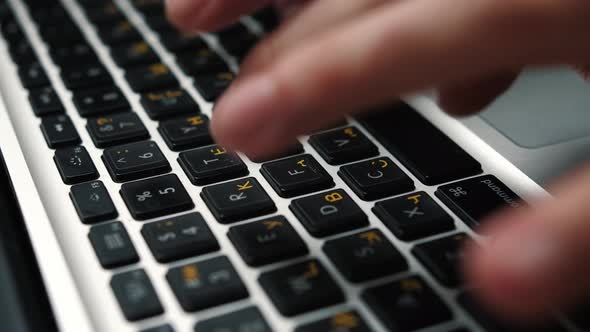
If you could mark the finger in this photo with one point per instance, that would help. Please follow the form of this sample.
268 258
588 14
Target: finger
537 260
312 19
387 52
474 95
205 15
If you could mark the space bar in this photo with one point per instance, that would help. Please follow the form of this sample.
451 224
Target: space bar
428 153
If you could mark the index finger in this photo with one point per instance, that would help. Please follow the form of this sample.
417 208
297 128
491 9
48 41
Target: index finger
209 14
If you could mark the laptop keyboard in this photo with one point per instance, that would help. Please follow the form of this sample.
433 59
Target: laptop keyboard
234 194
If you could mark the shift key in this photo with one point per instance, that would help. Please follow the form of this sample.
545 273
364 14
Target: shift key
474 199
425 150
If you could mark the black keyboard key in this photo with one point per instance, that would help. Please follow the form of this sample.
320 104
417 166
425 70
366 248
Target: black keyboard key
94 102
159 328
349 321
160 24
22 53
153 77
186 132
343 145
149 7
33 76
75 165
376 179
267 241
206 284
178 42
413 216
168 103
211 164
112 245
45 102
61 34
133 54
268 17
135 161
156 197
301 287
179 237
237 39
136 295
244 320
296 176
365 256
77 53
329 213
105 13
59 131
490 322
212 86
85 76
238 200
473 199
579 315
443 258
428 153
118 32
116 129
93 202
201 62
406 305
11 30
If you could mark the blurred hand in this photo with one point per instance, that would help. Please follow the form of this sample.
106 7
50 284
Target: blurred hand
336 57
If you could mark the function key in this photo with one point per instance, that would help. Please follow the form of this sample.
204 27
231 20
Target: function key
186 132
179 237
45 102
112 245
211 164
407 305
413 216
152 77
267 241
103 100
443 258
329 213
118 32
349 321
238 200
136 295
365 256
202 61
168 103
85 76
212 86
206 284
156 197
33 76
296 176
178 42
426 151
135 161
75 165
375 179
473 199
343 145
133 54
243 320
301 287
93 202
116 129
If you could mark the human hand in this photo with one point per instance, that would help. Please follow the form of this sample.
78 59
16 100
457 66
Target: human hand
338 57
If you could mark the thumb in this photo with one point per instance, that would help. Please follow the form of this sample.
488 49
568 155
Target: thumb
537 259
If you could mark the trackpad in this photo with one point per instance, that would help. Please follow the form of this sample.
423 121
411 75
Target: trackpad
544 107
